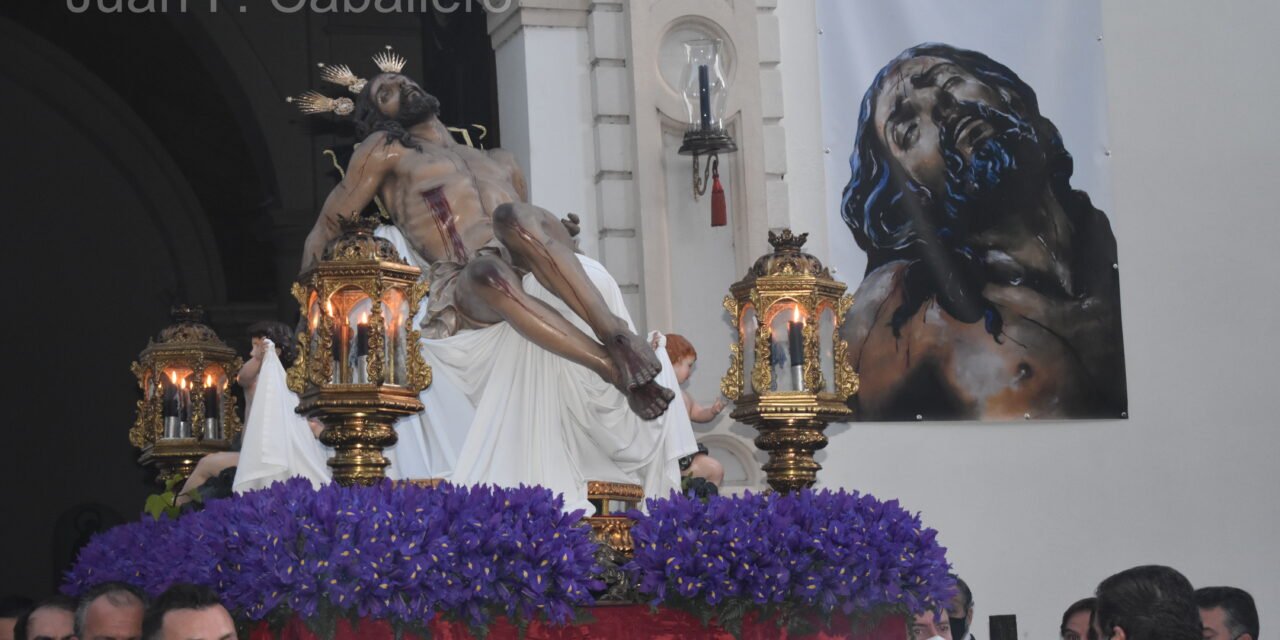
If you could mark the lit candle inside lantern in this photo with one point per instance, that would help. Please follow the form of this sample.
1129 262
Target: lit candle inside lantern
795 335
362 336
171 406
184 409
212 410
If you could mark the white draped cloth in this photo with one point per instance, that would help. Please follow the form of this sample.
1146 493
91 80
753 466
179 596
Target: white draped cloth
502 410
278 443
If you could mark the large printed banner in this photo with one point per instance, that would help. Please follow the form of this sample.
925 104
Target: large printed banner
968 190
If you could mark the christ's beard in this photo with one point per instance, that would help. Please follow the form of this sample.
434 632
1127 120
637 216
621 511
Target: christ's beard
1003 174
417 107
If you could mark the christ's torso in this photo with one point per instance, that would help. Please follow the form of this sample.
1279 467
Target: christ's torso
443 198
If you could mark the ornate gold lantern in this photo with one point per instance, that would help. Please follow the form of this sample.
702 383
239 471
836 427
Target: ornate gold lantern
787 375
186 410
610 525
359 366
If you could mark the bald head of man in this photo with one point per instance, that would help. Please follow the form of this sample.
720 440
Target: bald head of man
111 611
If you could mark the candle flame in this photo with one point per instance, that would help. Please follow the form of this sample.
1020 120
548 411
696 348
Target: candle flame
173 377
208 380
183 384
364 318
795 315
329 307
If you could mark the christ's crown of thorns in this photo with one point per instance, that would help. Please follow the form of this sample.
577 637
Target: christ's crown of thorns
340 74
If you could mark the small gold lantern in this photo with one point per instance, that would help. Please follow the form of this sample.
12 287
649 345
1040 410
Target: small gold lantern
787 375
186 410
359 366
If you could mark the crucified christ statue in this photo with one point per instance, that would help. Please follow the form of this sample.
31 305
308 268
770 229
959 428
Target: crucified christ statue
465 212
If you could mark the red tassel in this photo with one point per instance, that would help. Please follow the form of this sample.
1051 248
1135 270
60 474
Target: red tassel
719 211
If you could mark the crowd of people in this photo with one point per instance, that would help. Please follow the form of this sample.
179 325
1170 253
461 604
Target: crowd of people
1149 602
1143 603
118 611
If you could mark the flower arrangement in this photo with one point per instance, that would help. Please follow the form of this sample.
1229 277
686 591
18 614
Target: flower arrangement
405 554
399 553
794 557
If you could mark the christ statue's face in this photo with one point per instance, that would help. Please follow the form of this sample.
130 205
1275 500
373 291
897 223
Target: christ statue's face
918 100
400 98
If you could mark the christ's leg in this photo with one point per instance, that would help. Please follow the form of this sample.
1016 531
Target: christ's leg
538 242
489 291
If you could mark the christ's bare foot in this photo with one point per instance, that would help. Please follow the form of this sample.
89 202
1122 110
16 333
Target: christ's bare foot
633 361
650 400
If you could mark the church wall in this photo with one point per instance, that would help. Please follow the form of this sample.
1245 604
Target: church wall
1036 514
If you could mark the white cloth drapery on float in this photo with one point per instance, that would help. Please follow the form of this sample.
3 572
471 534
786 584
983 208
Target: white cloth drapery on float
278 443
502 410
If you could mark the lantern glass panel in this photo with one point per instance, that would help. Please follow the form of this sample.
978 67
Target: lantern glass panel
826 346
396 316
786 355
747 328
704 85
344 310
315 318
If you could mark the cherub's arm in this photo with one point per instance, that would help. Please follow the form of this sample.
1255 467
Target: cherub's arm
372 161
248 376
699 413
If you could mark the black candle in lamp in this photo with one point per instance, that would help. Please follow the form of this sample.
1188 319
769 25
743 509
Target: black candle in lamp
171 406
362 336
704 96
795 335
212 411
184 409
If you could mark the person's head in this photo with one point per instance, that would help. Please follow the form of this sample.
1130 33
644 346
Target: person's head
1150 602
949 143
12 608
280 335
188 612
52 619
1077 621
928 626
1227 613
393 103
110 611
960 609
682 356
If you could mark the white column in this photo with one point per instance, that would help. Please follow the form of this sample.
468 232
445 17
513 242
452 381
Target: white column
544 104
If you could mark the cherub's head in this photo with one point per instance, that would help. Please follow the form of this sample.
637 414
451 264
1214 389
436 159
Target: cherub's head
682 356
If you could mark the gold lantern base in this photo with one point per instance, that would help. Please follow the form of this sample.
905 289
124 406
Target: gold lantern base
790 426
611 526
359 423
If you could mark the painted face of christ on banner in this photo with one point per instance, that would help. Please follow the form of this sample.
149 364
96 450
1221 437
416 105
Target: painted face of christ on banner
960 195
